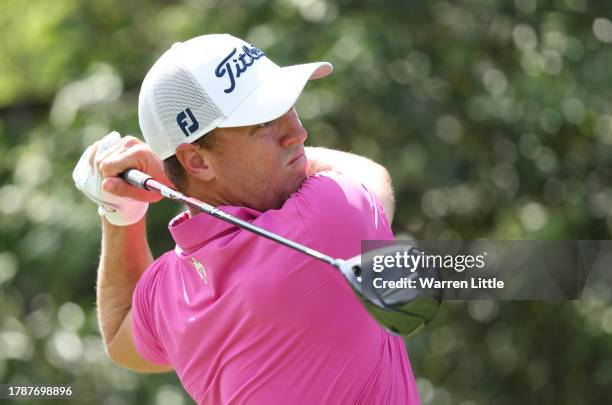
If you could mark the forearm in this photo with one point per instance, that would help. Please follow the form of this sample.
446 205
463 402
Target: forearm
373 175
125 255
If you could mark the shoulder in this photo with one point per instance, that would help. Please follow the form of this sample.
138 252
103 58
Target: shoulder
337 210
330 179
331 187
152 276
157 267
333 194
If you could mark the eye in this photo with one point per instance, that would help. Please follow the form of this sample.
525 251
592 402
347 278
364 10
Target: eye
264 125
257 127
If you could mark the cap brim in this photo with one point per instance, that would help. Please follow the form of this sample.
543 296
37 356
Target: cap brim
275 95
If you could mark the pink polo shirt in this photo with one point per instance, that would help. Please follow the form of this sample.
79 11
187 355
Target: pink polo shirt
243 320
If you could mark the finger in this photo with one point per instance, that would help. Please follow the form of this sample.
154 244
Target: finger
103 155
130 140
104 148
110 140
118 162
134 157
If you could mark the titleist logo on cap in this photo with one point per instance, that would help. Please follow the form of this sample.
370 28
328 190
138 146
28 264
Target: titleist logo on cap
241 63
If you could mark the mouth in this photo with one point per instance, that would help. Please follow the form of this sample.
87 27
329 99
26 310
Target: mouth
297 158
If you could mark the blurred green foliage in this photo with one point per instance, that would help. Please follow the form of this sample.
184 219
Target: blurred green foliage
494 118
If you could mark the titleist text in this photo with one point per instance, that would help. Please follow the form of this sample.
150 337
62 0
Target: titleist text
241 63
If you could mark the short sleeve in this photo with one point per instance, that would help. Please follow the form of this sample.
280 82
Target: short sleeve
144 332
339 212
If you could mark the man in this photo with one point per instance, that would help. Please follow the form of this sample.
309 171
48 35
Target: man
239 318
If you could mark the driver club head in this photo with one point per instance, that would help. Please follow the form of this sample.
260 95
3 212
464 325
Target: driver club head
402 311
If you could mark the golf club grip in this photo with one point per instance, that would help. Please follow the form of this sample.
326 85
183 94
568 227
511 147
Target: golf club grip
136 178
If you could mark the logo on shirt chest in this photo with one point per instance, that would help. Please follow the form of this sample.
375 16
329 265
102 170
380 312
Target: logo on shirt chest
199 268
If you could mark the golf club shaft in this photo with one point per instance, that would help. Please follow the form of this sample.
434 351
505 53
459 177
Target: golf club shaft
146 182
400 318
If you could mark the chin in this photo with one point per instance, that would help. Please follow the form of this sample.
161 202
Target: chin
303 176
284 195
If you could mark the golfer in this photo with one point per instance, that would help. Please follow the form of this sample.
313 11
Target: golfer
239 318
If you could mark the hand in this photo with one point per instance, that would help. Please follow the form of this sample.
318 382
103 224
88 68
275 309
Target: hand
130 153
95 175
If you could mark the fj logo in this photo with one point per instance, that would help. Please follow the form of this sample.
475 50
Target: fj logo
187 127
199 268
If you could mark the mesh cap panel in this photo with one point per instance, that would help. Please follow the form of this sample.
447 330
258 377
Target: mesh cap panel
173 92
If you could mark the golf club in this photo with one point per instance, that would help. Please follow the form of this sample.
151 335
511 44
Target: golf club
400 310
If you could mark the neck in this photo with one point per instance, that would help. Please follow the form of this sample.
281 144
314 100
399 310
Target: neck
210 201
210 197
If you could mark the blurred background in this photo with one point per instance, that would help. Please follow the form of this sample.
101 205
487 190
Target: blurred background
494 118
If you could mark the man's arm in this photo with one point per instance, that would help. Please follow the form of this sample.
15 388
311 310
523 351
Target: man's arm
374 176
125 256
125 251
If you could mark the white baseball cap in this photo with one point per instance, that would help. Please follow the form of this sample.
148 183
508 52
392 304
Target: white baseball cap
215 81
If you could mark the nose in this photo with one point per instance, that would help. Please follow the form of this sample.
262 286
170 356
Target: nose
292 131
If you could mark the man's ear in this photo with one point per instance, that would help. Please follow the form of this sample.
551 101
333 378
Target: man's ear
195 161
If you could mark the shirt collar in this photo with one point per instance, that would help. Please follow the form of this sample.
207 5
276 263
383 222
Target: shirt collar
190 233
